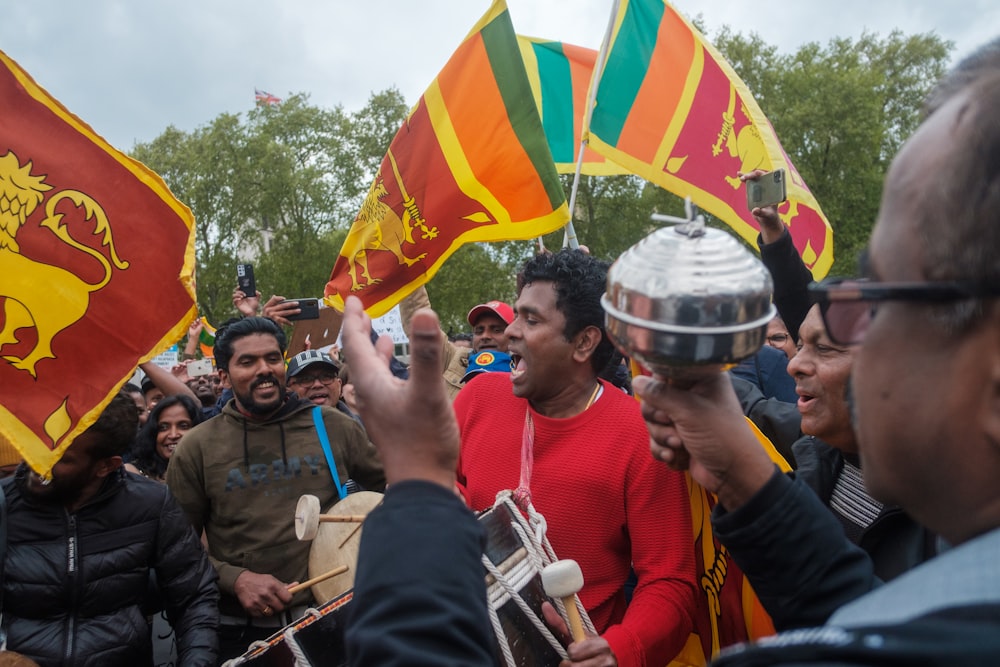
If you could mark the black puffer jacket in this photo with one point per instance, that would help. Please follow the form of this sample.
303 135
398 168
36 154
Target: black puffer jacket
75 583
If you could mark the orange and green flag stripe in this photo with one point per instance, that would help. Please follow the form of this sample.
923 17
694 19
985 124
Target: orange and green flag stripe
470 163
206 339
560 76
672 110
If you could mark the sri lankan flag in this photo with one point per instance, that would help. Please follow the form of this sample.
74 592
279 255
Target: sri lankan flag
85 231
560 76
672 110
727 610
470 163
206 339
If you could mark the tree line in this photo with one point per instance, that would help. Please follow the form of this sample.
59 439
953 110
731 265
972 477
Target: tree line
281 184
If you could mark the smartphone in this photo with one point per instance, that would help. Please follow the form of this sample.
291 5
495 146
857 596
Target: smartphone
244 279
768 190
309 308
199 368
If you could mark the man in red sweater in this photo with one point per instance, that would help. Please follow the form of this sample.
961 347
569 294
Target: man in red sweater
578 448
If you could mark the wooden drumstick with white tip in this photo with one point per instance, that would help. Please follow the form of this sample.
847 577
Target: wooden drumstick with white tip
308 518
563 579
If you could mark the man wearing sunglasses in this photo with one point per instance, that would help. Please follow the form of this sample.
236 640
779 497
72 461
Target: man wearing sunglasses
925 331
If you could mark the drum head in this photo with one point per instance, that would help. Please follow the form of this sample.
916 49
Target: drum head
337 544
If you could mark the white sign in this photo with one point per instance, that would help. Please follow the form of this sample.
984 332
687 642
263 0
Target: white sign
391 323
166 359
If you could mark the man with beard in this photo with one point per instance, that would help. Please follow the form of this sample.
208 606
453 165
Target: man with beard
239 476
81 546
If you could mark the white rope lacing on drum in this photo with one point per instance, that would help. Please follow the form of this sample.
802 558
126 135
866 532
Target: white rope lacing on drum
536 520
300 658
506 585
289 635
508 657
235 662
512 594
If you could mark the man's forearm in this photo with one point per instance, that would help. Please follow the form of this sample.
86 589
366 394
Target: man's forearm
795 553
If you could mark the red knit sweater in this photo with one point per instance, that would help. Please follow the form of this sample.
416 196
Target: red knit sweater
607 503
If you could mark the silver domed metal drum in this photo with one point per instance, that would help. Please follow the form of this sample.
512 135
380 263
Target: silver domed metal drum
688 299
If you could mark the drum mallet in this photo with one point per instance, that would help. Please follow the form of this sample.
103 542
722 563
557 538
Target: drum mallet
315 580
308 518
563 579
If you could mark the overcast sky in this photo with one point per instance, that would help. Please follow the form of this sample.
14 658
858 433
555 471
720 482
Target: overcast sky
131 68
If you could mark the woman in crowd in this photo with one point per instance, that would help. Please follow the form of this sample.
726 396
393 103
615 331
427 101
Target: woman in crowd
172 417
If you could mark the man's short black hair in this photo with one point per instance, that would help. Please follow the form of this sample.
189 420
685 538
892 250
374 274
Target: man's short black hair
248 326
579 280
115 427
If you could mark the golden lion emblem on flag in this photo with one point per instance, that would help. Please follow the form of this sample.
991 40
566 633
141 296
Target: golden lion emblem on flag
46 297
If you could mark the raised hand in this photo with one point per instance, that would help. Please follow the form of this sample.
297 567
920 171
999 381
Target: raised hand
410 421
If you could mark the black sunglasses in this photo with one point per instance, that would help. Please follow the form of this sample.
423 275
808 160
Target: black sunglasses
848 305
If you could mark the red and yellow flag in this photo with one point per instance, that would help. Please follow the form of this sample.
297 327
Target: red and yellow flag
727 609
560 76
671 109
97 259
470 163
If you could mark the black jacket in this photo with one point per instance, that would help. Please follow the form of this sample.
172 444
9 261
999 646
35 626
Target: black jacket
791 280
419 597
778 420
794 552
75 584
895 542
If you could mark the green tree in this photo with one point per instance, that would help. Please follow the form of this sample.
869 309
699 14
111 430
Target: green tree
476 273
279 187
609 214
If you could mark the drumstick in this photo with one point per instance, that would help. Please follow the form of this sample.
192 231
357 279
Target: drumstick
563 579
315 580
308 518
350 518
349 536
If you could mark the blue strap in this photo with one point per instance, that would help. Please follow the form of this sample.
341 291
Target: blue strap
324 440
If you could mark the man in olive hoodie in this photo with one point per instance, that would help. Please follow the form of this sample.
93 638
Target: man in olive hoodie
239 476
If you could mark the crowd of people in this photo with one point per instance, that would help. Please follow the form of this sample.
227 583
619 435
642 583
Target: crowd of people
874 550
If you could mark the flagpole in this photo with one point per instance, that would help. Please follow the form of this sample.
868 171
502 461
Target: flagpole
571 239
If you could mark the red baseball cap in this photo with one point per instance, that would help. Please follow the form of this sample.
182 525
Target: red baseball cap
499 308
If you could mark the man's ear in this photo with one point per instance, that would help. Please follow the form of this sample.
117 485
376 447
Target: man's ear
107 466
224 378
585 342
